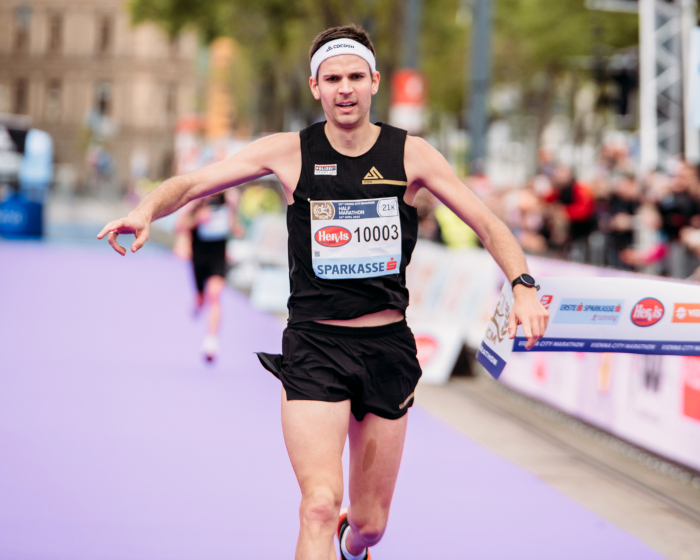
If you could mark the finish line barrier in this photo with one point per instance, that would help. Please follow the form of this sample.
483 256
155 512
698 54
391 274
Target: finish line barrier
630 315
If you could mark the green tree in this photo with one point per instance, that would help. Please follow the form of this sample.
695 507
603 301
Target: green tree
535 43
539 42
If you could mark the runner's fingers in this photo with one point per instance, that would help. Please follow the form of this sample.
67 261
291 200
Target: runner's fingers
141 239
112 239
527 330
109 227
512 326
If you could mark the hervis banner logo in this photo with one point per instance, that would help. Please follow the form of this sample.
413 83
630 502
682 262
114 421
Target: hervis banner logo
647 312
373 177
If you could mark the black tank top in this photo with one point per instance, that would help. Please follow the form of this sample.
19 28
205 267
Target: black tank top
361 226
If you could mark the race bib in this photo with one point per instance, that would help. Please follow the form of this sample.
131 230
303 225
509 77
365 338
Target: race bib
355 238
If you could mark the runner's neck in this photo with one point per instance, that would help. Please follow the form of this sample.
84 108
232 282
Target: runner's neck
352 142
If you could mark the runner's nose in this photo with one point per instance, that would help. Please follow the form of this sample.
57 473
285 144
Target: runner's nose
345 86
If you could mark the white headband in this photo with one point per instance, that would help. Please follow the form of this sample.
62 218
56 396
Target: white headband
338 47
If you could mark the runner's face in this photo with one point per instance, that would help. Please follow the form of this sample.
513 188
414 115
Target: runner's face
345 87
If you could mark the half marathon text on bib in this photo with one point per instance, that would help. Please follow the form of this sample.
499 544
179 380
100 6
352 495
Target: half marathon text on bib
355 238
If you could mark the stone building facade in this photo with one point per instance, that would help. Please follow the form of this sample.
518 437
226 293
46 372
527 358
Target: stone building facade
108 92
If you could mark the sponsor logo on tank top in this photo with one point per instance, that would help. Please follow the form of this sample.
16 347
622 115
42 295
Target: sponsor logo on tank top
373 177
323 210
326 169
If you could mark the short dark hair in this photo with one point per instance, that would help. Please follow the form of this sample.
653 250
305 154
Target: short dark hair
352 31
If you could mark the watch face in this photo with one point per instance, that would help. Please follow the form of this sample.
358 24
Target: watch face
529 280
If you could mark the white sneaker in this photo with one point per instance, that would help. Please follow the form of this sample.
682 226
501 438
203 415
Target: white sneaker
210 347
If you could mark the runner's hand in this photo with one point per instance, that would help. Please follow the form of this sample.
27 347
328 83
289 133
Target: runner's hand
131 224
528 312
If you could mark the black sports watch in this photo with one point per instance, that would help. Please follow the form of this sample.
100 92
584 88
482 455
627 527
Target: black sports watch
525 280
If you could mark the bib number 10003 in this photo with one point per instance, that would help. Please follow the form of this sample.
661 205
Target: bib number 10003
355 238
385 233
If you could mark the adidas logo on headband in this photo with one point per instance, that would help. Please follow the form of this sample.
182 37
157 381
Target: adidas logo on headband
331 47
338 47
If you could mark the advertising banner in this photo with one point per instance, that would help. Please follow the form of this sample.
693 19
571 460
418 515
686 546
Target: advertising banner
635 316
407 108
438 346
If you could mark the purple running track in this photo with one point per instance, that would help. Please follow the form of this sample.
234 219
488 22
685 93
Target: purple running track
118 442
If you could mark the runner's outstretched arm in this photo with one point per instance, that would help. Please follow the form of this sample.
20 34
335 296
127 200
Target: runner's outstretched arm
272 154
425 167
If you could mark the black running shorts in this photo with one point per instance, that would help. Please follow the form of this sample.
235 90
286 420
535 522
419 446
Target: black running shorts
374 367
208 259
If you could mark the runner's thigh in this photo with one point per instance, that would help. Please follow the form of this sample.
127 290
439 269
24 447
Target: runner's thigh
315 434
376 446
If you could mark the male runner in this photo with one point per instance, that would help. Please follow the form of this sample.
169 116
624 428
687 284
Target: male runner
349 364
208 221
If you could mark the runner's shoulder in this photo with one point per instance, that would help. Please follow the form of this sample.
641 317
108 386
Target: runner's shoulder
274 150
287 141
417 147
420 158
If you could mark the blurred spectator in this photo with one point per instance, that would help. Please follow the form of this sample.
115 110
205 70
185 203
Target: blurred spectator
622 207
650 224
545 162
574 205
526 220
680 208
650 246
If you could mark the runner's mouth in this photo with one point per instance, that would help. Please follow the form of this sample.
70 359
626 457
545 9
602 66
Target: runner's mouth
346 104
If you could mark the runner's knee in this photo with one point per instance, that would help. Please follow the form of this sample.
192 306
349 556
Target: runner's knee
213 289
320 506
370 527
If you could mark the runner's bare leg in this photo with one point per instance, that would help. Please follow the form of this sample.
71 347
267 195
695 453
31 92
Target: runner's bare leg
213 292
315 434
376 446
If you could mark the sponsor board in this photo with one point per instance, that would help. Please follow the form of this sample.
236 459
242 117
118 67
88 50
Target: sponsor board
660 347
496 346
691 387
586 311
438 344
598 302
427 347
647 312
686 313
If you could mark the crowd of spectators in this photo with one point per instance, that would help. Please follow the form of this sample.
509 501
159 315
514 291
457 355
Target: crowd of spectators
616 219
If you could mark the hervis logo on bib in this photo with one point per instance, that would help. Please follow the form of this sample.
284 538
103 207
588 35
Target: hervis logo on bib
333 236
